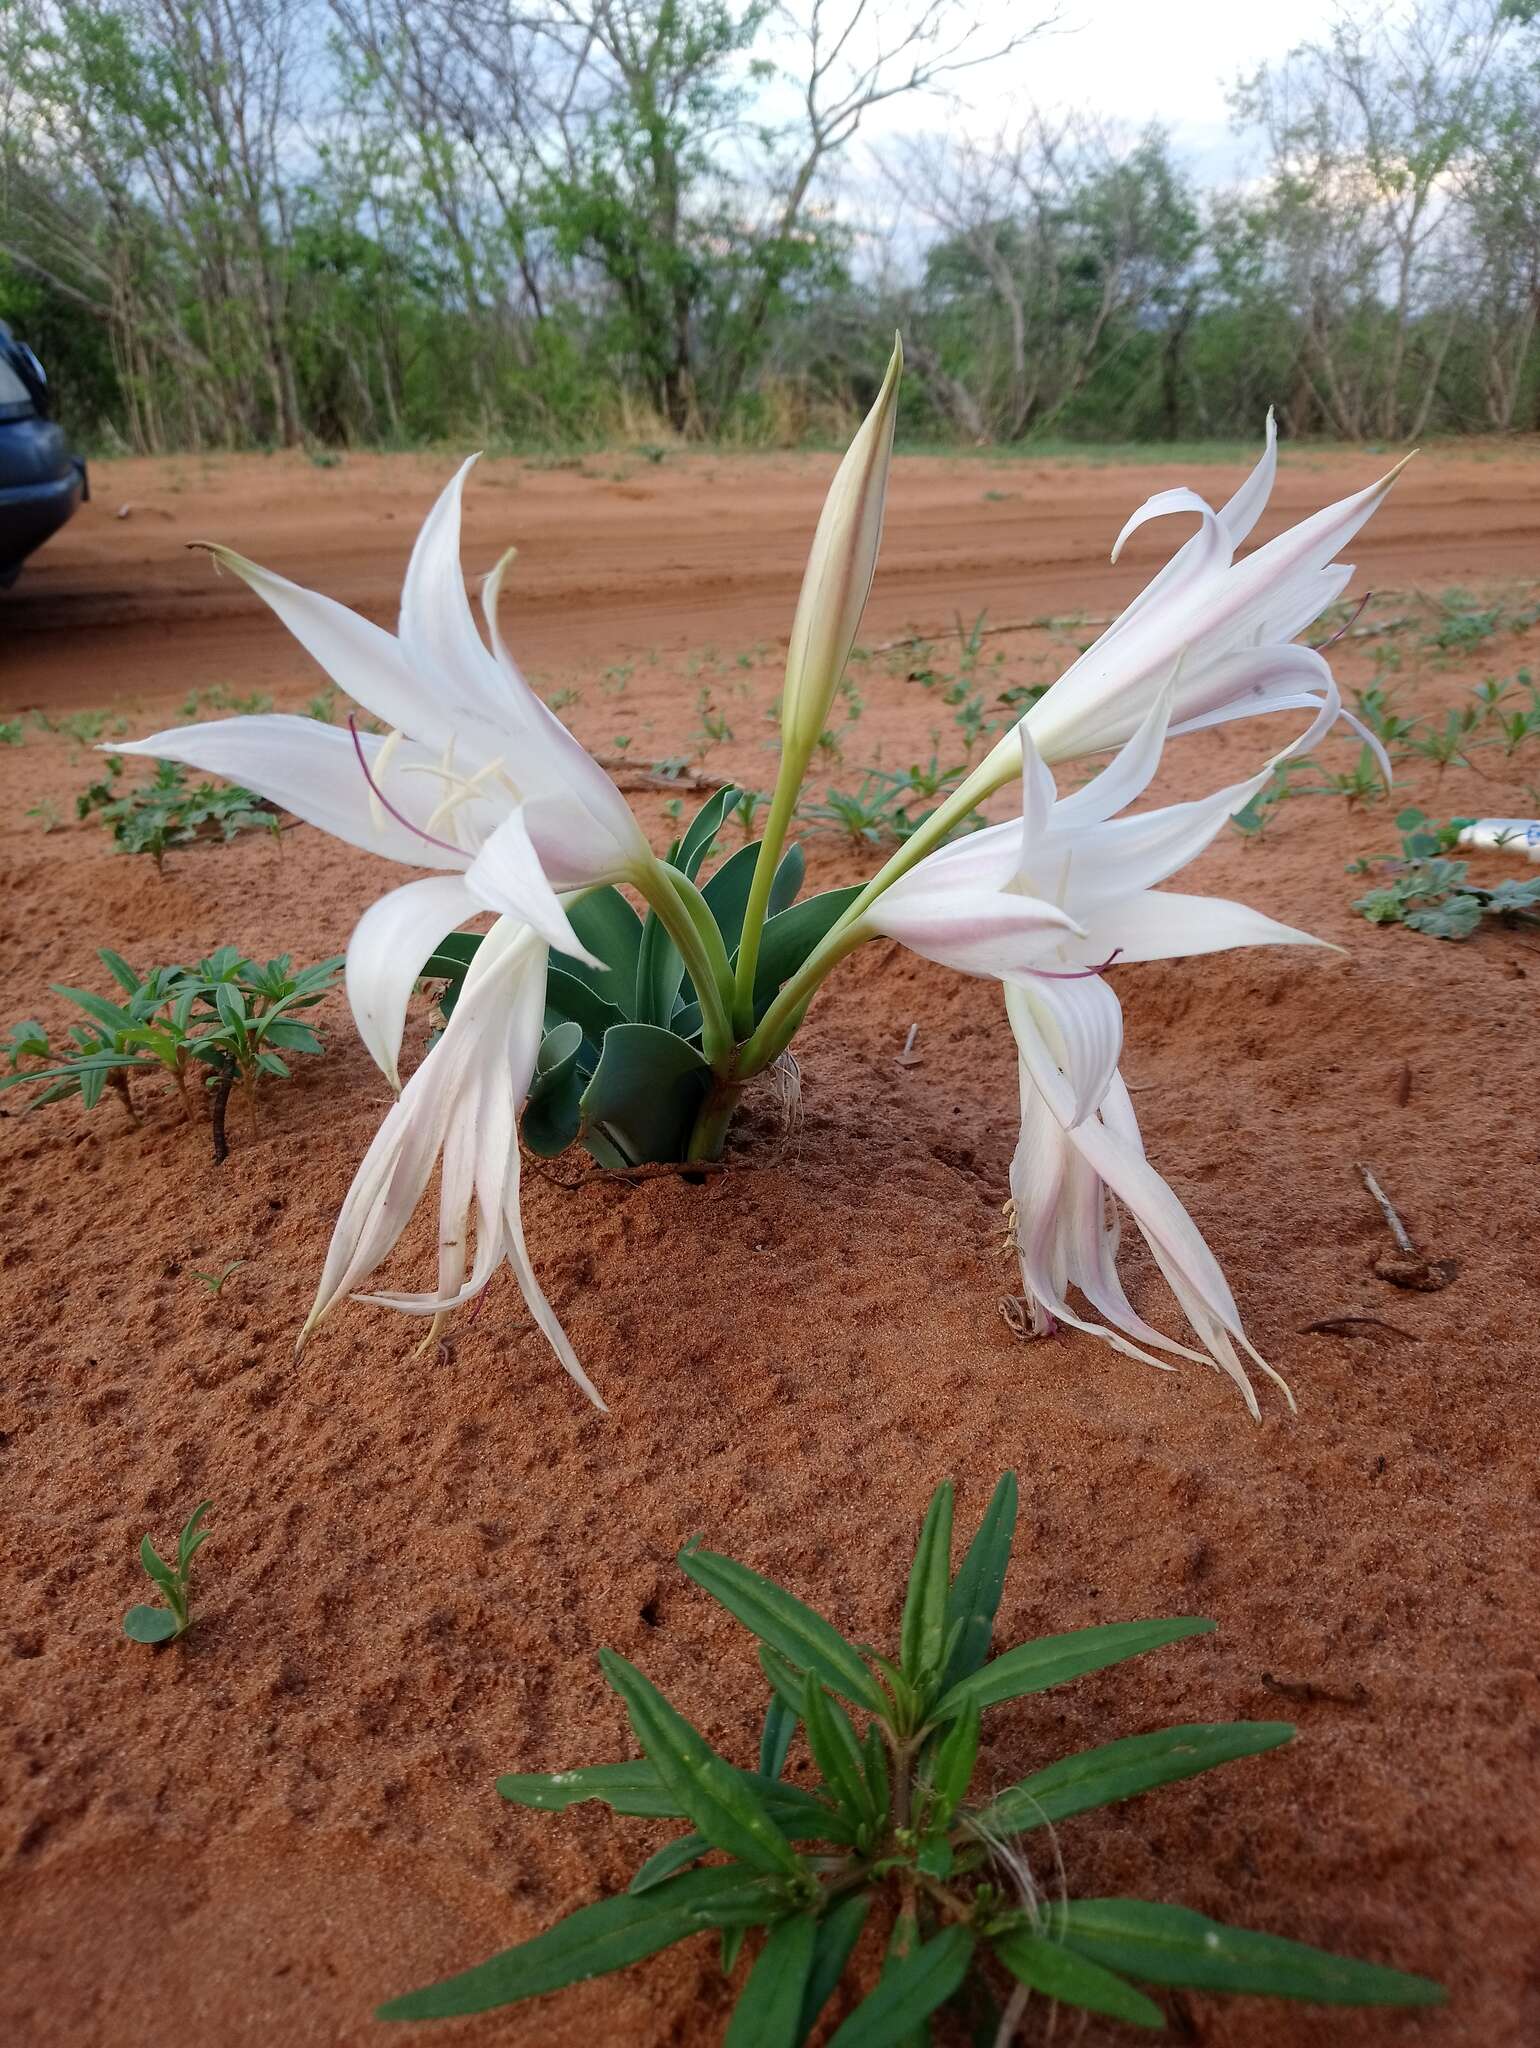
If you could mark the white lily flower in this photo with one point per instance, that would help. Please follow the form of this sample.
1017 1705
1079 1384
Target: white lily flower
477 777
1216 631
1046 905
462 1107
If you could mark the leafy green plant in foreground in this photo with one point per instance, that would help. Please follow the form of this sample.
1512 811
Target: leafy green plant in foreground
165 1624
887 1814
1432 894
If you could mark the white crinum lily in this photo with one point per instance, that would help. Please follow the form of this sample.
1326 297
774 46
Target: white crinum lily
1216 631
460 1112
1045 906
476 777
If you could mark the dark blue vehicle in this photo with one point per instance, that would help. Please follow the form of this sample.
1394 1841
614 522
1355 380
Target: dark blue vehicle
41 480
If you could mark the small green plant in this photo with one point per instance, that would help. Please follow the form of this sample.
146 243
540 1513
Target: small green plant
165 1624
164 812
11 730
227 1015
1376 710
322 706
887 1816
1447 745
46 812
559 700
85 728
215 1282
1430 893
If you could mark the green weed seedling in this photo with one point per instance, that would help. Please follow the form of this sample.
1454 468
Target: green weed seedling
165 1624
46 812
215 1282
11 730
228 1017
882 1813
1447 745
1430 893
164 812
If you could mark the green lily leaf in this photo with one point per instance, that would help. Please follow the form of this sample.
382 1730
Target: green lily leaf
569 1000
612 932
1122 1770
925 1618
788 938
1033 1667
910 1988
727 893
553 1114
720 1800
702 830
646 1092
975 1596
952 1767
780 1619
589 1943
1172 1945
1059 1973
769 2009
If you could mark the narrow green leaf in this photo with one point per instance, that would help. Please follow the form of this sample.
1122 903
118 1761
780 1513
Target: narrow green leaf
952 1766
192 1535
1061 1974
727 894
646 1092
1033 1667
150 1625
732 1942
1172 1945
659 974
924 1624
673 1856
451 957
606 1936
788 938
719 1799
775 1740
161 1572
875 1758
112 1015
1122 1770
838 1932
119 969
702 829
910 1988
633 1788
783 1621
975 1596
769 2007
790 872
836 1751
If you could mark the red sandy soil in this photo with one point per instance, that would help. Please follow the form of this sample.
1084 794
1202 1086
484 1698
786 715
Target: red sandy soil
256 1835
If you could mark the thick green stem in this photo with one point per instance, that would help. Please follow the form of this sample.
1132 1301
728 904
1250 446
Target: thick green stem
710 1132
783 805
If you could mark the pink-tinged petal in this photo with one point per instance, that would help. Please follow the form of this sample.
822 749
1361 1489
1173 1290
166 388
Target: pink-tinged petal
386 954
1070 1036
506 876
977 932
1159 924
313 770
1037 796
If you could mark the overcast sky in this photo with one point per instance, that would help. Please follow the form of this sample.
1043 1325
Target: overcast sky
1135 61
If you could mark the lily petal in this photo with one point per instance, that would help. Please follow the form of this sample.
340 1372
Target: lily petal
386 953
506 876
312 769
